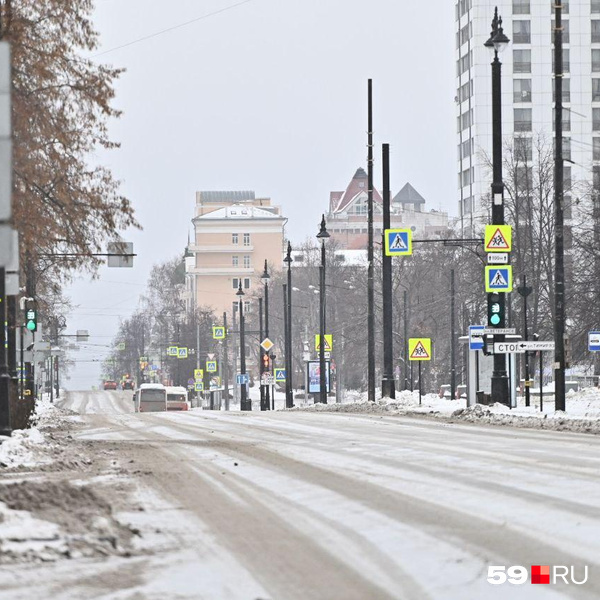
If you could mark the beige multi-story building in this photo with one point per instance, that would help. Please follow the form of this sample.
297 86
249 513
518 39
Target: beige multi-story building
234 233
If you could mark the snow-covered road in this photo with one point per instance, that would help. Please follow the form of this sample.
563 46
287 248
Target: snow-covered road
291 505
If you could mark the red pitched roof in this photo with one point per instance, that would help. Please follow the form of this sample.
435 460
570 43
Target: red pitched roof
357 185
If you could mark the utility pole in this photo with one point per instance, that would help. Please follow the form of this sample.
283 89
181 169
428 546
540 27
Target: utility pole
370 267
5 427
198 353
226 362
524 291
261 354
559 265
244 403
285 343
405 341
388 384
452 337
289 367
236 387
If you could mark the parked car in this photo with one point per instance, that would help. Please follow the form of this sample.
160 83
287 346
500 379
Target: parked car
128 384
110 385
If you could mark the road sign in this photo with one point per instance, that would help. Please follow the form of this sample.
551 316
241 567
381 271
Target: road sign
199 386
218 333
211 366
498 279
266 344
215 383
172 351
267 379
498 238
499 331
182 352
210 356
419 349
521 347
279 375
497 258
594 341
191 381
198 373
243 379
476 337
328 342
121 346
398 242
122 254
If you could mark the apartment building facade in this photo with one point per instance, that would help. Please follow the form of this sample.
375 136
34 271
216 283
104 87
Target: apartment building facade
527 93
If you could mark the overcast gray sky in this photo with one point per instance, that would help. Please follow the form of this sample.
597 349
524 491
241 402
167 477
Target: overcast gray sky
269 95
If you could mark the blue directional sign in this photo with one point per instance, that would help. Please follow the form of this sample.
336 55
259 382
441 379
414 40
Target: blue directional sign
243 379
498 278
398 242
279 375
476 337
594 341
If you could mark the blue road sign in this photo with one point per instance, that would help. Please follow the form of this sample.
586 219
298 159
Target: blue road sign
279 375
398 242
498 278
243 379
476 337
594 341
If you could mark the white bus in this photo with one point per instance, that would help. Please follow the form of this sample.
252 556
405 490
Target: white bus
177 398
150 397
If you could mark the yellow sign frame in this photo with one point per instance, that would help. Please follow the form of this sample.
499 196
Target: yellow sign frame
209 366
328 342
389 251
490 235
414 343
509 285
218 332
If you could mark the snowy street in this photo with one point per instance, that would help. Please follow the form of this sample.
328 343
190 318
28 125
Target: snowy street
311 505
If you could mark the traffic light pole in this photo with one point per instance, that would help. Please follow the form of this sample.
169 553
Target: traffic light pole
5 427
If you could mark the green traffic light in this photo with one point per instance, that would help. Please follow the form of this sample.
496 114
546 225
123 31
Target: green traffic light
495 319
31 325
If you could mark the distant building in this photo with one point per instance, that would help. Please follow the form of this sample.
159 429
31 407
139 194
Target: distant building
347 216
234 233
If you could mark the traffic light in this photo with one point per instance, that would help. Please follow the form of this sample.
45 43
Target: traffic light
31 316
495 310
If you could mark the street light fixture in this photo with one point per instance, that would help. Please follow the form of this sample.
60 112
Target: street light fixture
289 394
322 236
265 278
496 44
244 403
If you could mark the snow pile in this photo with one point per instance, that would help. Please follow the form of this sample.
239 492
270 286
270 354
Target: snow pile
22 449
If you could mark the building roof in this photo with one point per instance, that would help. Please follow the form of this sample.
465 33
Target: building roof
408 195
240 211
221 197
357 186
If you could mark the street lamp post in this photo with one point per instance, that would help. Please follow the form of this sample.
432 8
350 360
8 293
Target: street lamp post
289 390
244 403
497 43
323 236
265 277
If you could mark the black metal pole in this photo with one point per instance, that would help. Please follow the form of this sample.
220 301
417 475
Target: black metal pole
322 376
226 362
285 336
261 354
244 404
405 342
289 371
559 266
499 375
370 259
5 423
420 386
267 387
541 381
388 385
524 291
452 337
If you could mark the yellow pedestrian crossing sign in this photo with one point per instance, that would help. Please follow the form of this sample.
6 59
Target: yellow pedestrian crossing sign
398 242
172 351
328 342
218 333
211 366
498 238
419 349
498 278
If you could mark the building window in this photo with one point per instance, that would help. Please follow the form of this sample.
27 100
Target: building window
467 177
595 6
235 261
464 35
522 61
566 92
465 149
234 307
465 120
522 90
566 120
234 239
246 239
246 262
464 64
566 61
523 149
596 152
246 283
247 307
596 119
465 91
521 7
523 119
566 148
595 31
595 90
565 35
521 32
596 177
595 60
567 179
467 206
463 6
235 283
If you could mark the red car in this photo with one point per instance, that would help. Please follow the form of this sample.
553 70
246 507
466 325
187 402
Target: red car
110 385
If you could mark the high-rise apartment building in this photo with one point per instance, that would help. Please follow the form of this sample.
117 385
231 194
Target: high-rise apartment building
527 93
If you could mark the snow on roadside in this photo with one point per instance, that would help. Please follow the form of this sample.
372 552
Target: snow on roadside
582 414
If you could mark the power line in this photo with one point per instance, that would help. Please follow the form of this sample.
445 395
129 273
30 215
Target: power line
163 31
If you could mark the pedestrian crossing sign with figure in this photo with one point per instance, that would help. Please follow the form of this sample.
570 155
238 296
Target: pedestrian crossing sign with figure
498 238
218 333
211 366
398 242
419 349
498 278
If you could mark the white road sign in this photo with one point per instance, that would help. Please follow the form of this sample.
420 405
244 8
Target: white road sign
497 259
499 331
521 347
